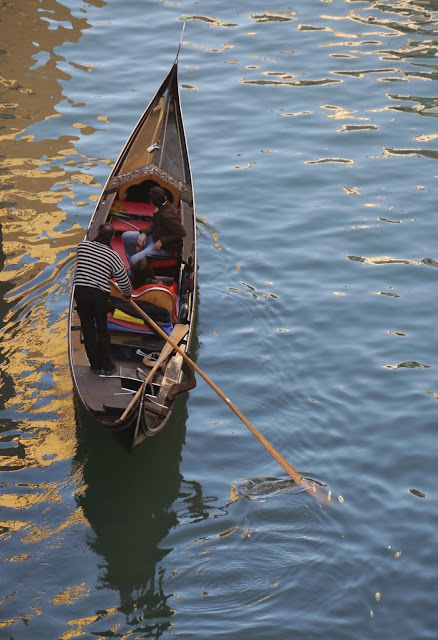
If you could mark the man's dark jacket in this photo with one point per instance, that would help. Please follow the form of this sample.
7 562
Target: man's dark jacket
167 228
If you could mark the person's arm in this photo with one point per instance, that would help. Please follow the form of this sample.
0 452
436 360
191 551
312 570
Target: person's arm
147 230
142 238
121 276
174 231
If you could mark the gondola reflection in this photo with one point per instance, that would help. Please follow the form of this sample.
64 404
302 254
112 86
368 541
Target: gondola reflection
128 499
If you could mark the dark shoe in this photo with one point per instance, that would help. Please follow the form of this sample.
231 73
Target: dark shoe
109 372
95 370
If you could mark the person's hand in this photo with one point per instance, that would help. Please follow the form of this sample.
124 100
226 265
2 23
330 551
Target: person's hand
141 241
158 245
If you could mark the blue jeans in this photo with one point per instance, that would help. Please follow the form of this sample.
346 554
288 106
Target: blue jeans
130 244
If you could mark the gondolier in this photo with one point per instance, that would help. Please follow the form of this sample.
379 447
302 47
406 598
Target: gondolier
97 264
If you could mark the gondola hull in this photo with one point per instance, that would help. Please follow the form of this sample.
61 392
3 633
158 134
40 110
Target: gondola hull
155 154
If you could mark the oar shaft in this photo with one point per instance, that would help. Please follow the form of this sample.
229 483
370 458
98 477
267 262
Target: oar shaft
293 473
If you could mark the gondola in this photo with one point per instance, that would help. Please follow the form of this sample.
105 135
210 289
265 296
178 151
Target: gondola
137 401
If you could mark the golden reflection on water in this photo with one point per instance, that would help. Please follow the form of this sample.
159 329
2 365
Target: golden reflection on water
223 47
71 594
38 175
78 625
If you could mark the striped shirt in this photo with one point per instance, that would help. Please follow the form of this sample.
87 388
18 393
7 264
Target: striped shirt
97 264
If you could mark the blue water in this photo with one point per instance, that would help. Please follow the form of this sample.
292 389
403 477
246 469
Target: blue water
313 142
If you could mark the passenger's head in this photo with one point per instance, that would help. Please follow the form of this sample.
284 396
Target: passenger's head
105 232
157 196
141 273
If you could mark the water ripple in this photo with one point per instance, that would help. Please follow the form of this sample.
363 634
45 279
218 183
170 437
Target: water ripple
285 323
381 260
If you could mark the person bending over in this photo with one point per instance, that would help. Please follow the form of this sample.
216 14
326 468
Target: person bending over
97 264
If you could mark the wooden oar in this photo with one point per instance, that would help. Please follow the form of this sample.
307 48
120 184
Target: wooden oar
293 473
178 333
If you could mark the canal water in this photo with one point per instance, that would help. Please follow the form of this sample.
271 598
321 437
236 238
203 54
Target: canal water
314 143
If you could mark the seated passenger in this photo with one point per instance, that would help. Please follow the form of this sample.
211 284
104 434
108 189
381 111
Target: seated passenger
142 274
161 238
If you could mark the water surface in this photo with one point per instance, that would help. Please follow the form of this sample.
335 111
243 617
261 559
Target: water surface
313 142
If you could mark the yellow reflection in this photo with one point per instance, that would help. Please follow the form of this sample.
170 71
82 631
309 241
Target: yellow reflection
71 594
352 191
40 174
274 16
384 260
278 74
248 166
9 527
297 113
15 501
20 558
330 160
85 129
234 493
7 623
80 623
223 47
259 601
340 113
426 138
38 534
212 22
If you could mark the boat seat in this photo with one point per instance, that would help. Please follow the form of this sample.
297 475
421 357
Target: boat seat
159 294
